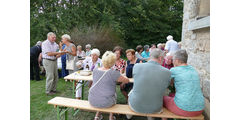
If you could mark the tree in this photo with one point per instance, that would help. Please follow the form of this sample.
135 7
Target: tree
134 21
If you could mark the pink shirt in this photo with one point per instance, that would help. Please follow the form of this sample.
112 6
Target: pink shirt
48 46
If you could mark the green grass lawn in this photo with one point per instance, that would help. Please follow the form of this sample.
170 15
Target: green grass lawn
40 110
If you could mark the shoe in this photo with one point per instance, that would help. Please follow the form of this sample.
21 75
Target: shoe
51 93
54 91
129 117
98 118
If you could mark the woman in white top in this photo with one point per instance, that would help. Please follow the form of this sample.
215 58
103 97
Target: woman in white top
80 52
89 63
88 50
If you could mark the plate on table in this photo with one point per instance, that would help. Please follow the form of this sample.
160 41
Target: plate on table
85 72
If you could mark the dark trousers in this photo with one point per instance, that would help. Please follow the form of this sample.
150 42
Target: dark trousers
64 71
34 69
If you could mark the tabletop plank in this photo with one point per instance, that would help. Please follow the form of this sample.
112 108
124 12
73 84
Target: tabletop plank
77 77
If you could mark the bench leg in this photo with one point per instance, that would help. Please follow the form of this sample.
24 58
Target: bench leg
66 115
58 113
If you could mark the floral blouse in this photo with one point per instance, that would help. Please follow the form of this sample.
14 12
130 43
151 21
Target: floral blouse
120 66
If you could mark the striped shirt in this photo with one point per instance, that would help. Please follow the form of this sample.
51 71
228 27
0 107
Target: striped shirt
48 46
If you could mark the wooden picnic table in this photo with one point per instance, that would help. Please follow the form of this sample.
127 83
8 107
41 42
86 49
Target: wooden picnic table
76 77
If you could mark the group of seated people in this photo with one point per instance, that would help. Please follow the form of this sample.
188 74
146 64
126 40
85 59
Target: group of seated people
152 76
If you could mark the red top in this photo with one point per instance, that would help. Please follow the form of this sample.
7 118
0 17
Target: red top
167 66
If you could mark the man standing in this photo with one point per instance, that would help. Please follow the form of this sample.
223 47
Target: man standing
150 83
50 54
34 64
171 45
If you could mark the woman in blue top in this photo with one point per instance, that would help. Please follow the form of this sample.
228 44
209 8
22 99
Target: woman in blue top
132 60
188 100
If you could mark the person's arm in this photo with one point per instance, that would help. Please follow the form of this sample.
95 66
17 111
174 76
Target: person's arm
60 46
83 54
171 82
46 50
126 69
39 58
123 79
166 47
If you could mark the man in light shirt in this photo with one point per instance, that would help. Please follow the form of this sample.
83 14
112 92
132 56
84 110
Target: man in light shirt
150 83
50 54
171 45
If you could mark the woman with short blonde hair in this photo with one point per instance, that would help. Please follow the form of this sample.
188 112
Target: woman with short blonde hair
102 94
108 59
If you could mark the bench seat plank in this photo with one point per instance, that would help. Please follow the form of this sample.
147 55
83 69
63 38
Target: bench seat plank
118 108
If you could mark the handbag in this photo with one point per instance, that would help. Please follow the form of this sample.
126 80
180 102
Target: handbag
70 64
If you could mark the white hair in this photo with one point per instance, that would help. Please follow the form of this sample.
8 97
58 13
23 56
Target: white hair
169 37
159 44
66 36
88 46
50 34
95 51
79 46
39 43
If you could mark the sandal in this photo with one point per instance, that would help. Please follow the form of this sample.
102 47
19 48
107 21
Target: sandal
114 118
98 118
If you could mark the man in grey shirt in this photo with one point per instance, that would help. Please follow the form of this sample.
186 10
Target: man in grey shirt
150 82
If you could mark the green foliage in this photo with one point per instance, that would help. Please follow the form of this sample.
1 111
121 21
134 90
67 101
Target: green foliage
103 38
134 21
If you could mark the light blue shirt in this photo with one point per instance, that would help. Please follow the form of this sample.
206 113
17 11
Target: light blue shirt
88 53
189 96
145 54
150 83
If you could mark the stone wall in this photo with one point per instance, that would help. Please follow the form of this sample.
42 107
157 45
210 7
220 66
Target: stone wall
197 43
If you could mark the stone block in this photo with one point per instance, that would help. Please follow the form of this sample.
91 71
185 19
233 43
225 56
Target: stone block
206 112
206 89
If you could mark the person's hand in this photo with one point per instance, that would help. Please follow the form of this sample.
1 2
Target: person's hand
65 51
62 53
57 56
60 44
122 85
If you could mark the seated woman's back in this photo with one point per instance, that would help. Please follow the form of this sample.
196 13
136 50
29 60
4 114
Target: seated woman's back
188 96
102 94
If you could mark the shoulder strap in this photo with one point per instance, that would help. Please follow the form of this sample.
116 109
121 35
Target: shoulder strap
98 80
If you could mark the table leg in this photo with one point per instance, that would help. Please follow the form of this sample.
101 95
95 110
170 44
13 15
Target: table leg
83 84
66 115
73 89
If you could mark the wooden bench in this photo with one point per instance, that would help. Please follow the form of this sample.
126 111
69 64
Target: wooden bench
118 108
